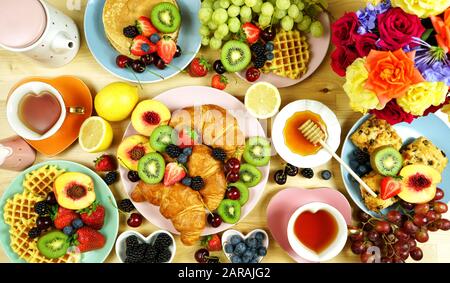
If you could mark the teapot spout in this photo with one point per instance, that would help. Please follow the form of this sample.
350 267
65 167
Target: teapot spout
62 43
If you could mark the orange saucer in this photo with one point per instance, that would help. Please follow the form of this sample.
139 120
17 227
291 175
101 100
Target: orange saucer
75 93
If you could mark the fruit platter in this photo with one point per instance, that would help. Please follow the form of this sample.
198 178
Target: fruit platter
213 131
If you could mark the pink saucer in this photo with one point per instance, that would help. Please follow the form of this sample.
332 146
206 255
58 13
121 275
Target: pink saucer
284 203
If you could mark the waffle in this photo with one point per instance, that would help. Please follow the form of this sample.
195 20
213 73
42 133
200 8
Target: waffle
40 181
291 55
20 208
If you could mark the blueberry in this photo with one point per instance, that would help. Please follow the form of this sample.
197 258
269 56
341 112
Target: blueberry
246 259
228 248
259 244
253 251
270 56
240 248
187 151
262 251
362 170
269 46
68 230
354 164
154 38
77 223
254 261
251 242
235 239
326 175
236 259
260 236
183 158
187 181
248 253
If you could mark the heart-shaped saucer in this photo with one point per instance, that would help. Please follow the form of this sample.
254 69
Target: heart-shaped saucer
121 245
229 233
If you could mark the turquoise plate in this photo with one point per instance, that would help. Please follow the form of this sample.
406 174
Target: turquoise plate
188 39
431 127
104 196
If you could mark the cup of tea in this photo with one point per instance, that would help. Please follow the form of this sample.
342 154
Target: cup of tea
36 110
317 232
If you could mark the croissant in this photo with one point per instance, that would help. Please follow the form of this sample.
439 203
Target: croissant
182 205
215 125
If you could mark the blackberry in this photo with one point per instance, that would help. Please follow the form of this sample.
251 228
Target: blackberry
42 208
126 205
163 241
280 177
219 154
131 31
173 151
258 48
163 256
131 242
307 173
259 62
150 255
34 233
110 178
197 183
136 253
291 170
361 157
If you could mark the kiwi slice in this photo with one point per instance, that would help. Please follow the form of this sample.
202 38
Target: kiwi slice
229 210
249 175
161 137
151 168
243 190
235 56
257 151
53 244
165 17
386 161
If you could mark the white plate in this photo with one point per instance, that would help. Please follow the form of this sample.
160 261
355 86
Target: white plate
182 97
333 129
226 236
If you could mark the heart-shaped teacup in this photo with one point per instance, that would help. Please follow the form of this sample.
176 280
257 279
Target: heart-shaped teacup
121 245
226 237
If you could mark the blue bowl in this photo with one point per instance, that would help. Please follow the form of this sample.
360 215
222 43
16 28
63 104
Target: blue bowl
189 40
431 127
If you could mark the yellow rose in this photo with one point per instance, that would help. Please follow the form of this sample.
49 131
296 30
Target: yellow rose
446 110
422 8
361 99
373 2
421 96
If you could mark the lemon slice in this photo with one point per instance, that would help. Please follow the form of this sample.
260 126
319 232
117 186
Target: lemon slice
263 100
95 135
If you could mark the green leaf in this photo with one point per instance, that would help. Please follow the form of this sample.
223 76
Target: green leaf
426 34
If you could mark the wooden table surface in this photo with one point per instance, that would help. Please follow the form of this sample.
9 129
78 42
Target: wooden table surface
323 86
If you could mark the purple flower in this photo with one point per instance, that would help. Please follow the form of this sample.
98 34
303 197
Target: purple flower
436 72
368 17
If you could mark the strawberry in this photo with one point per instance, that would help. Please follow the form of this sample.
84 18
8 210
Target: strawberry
187 138
105 163
64 217
213 243
166 49
251 32
219 82
199 67
89 239
93 216
142 46
173 174
145 27
390 187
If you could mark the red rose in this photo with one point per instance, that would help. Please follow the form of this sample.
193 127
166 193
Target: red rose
365 43
341 58
344 30
434 109
397 29
393 114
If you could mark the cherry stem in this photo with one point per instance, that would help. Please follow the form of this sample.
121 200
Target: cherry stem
175 67
139 82
155 74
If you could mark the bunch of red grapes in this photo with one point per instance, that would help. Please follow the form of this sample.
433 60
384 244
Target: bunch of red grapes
397 235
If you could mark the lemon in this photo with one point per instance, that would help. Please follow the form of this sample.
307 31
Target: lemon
96 135
116 101
263 100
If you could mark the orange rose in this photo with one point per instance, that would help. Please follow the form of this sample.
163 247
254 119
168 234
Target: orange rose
442 27
391 74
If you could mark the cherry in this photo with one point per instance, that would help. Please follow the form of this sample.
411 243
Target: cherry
135 220
233 193
268 34
43 223
439 194
159 63
133 176
122 61
218 67
51 198
138 66
252 74
178 52
201 256
148 59
232 177
232 165
214 220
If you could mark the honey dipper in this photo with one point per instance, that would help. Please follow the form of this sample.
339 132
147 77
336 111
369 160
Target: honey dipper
315 135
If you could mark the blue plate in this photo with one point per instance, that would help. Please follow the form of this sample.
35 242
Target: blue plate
188 39
103 194
431 127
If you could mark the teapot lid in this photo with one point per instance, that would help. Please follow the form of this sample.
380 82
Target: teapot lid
22 22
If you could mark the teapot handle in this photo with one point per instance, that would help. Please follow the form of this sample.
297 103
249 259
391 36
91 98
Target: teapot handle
62 43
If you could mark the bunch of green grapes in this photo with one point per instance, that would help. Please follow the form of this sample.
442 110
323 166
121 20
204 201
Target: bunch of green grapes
221 19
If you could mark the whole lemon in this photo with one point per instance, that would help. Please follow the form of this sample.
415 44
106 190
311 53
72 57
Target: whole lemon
116 101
